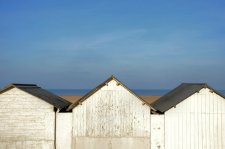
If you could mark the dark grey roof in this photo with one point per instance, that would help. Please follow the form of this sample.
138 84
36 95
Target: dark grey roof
43 94
99 87
179 94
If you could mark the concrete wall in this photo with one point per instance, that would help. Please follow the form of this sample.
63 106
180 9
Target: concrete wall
157 131
111 143
197 123
112 118
64 130
25 121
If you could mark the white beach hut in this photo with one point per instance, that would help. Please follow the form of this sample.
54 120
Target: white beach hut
191 116
110 116
28 117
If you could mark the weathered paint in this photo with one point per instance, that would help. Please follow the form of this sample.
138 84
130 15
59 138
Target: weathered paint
157 131
112 118
111 113
63 130
197 122
25 121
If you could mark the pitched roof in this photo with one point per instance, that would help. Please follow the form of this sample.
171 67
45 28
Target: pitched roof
179 94
37 91
98 88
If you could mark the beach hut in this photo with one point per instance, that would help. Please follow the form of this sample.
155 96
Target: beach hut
110 116
191 116
28 117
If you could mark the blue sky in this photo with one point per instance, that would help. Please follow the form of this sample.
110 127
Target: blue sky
147 44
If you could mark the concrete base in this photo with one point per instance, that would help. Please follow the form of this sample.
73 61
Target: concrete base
110 143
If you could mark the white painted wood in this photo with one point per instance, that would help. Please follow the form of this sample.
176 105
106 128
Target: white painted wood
112 118
25 121
63 130
197 122
157 131
111 112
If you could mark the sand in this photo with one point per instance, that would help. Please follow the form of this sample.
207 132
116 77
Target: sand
74 98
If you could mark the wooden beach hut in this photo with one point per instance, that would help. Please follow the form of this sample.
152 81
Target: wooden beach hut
28 117
110 116
191 116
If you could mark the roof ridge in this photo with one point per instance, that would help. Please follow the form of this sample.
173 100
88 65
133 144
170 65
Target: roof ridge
19 84
194 83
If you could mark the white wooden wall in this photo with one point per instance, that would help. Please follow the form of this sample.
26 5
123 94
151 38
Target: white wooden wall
26 122
196 123
157 131
112 118
63 130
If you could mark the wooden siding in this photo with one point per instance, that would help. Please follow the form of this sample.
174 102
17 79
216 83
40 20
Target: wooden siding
112 112
63 130
25 121
157 131
197 123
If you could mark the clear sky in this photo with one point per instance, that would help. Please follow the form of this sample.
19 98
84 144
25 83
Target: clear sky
147 44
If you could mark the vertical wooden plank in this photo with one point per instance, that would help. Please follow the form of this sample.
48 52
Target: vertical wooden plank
63 131
188 128
170 129
211 121
207 121
219 104
180 130
192 135
184 126
199 112
195 114
223 123
215 120
203 121
175 130
223 129
166 131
